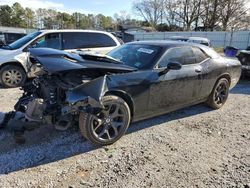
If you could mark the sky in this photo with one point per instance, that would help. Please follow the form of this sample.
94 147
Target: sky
106 7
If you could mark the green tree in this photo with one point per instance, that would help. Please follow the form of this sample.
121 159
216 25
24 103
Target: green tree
85 22
65 20
50 19
5 15
104 22
18 16
29 17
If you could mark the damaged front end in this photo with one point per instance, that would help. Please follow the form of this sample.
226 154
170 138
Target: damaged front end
57 97
45 104
86 97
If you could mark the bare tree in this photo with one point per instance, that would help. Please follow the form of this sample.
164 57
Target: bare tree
122 17
244 23
233 13
210 14
187 12
171 7
151 10
193 13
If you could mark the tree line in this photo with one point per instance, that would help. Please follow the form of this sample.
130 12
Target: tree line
187 15
162 15
18 16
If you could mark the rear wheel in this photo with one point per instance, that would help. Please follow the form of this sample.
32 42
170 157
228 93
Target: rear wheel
219 95
12 76
109 125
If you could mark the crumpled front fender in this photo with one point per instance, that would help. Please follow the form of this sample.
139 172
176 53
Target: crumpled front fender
90 93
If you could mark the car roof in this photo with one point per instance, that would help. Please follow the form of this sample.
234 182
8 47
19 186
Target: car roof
72 30
79 31
76 30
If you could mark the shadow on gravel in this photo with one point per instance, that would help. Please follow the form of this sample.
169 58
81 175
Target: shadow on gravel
43 146
1 116
180 114
46 145
242 88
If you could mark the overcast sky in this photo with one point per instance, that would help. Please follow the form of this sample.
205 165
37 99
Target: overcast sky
106 7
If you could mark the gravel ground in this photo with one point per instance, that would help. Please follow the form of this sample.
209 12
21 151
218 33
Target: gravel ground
193 147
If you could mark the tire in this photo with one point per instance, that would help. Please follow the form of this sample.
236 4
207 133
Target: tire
109 125
12 76
219 95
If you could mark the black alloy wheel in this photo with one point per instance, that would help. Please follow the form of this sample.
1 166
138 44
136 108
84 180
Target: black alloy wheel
109 125
219 95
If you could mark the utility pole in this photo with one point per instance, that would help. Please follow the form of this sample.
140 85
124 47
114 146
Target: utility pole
198 15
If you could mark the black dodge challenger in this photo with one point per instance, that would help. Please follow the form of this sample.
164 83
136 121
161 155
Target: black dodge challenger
139 80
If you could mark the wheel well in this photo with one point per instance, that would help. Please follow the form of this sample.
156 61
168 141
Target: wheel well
126 98
227 76
12 63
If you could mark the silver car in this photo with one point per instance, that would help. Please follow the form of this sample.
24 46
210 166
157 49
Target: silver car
14 57
200 40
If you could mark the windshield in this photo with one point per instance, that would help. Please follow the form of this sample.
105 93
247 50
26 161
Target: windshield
22 41
140 56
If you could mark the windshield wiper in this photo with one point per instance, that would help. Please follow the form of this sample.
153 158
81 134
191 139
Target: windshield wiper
98 57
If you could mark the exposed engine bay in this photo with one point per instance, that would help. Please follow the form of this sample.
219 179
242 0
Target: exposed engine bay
50 100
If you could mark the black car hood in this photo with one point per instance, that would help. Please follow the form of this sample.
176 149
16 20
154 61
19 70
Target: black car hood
59 61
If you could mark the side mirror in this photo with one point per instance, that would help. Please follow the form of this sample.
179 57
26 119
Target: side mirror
32 45
171 66
174 66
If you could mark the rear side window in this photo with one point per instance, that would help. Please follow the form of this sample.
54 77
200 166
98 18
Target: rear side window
183 55
199 54
86 40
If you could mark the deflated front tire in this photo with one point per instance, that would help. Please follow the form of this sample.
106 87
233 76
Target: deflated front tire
109 125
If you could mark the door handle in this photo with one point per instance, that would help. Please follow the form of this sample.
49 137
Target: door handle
198 70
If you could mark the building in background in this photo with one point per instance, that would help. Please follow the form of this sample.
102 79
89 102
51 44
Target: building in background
11 34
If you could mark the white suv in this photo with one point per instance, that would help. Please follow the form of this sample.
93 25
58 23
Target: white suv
13 57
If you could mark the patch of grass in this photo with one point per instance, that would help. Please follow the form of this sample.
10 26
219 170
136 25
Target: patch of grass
219 50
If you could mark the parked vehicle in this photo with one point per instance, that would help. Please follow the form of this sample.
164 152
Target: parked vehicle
179 38
135 81
199 40
13 57
244 58
7 37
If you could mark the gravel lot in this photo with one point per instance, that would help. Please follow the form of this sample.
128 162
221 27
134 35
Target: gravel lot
193 147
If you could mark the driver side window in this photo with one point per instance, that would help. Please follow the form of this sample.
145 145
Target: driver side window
183 55
48 41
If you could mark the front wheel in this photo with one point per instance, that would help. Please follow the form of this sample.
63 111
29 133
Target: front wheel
109 125
12 76
219 95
